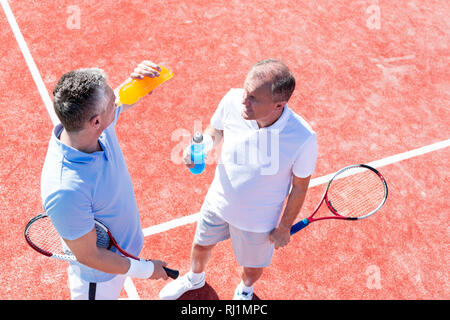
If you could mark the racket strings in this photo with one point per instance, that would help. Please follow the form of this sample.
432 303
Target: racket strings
358 193
44 236
103 239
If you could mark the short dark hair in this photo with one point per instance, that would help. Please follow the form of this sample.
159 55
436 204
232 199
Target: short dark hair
76 95
275 71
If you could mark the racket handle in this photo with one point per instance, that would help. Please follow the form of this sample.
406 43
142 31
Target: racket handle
172 273
299 226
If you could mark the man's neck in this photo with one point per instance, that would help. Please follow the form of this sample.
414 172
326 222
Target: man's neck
264 123
81 141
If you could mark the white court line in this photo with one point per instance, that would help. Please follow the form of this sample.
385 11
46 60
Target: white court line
171 224
130 289
128 285
30 62
314 182
394 59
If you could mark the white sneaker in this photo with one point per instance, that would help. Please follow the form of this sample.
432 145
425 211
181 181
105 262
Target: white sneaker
176 288
240 294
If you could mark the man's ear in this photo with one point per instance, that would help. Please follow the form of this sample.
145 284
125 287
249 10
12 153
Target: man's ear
95 122
279 105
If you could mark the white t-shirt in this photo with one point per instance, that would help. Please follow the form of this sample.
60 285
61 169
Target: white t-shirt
254 174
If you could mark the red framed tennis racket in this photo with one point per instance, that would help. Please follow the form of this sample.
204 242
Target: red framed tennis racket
353 193
42 236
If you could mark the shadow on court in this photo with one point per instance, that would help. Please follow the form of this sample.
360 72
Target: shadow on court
205 293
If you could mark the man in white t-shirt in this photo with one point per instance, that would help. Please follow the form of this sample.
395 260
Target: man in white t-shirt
268 153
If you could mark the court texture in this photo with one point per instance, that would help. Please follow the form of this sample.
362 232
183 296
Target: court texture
373 80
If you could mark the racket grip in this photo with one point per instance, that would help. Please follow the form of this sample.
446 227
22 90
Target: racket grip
299 226
172 273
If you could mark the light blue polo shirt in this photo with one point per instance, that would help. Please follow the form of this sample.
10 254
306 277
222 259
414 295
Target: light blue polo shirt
77 187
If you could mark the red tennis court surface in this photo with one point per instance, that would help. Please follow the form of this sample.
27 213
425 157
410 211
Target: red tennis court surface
373 81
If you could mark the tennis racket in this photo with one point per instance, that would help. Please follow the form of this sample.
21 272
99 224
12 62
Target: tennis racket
42 236
353 193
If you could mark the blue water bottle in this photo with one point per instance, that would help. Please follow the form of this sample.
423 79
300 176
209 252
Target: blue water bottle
197 154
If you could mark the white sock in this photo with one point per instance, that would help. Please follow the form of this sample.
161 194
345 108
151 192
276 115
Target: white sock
195 277
244 288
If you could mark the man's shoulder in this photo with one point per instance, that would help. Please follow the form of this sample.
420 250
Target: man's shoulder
230 103
235 91
233 95
64 183
60 176
300 126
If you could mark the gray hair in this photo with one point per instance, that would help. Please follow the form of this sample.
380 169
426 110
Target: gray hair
278 74
77 95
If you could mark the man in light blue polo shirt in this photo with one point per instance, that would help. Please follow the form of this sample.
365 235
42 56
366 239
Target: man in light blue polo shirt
85 177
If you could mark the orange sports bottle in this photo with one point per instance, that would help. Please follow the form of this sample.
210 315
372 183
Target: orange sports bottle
132 91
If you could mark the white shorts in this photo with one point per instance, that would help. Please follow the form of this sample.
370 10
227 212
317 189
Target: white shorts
251 249
84 290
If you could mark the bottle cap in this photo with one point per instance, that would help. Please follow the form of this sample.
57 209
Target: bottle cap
198 137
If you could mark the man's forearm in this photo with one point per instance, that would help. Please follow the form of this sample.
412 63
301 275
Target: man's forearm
293 206
87 253
281 234
106 261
